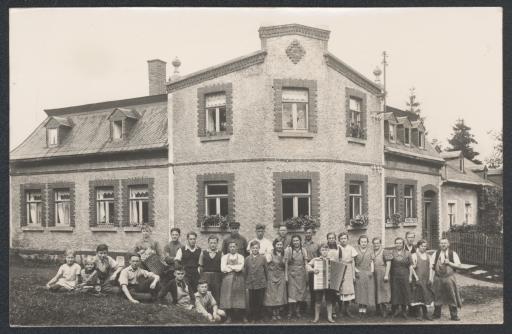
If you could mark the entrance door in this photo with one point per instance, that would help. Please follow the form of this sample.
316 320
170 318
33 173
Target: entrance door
430 224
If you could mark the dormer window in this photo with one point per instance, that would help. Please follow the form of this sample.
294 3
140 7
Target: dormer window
461 164
392 132
117 130
53 137
407 136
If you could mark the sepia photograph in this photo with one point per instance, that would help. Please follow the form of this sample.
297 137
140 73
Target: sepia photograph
255 166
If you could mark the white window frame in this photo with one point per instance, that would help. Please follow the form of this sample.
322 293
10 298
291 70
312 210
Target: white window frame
421 139
105 202
409 201
392 132
38 203
452 213
467 212
217 110
356 200
217 197
117 129
294 111
407 136
391 199
356 115
62 202
296 196
49 133
137 204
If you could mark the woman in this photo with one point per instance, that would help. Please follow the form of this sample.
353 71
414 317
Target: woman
381 268
347 290
295 273
364 286
334 253
401 276
421 292
275 295
149 251
232 298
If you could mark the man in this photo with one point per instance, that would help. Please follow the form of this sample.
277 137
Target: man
235 237
265 244
137 282
188 257
409 245
282 235
312 251
442 277
172 247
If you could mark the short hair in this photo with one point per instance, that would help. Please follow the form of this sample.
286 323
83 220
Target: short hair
376 238
363 236
232 242
176 229
253 243
213 237
283 225
399 238
323 245
331 233
179 267
102 248
409 233
89 259
260 226
421 242
342 234
201 282
191 233
69 252
136 255
445 239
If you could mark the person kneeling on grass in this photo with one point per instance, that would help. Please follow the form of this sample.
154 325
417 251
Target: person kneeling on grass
137 282
66 278
179 289
206 304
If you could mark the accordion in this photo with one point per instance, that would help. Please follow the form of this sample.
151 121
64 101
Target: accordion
154 264
330 274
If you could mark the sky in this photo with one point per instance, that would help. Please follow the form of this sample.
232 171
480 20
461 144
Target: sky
64 57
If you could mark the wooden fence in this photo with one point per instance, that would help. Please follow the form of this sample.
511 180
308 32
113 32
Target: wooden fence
477 248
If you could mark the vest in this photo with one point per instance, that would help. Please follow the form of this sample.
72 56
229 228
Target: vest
209 264
438 253
190 259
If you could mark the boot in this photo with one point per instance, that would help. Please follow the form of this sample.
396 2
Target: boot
437 312
453 313
426 316
347 310
395 311
419 312
404 312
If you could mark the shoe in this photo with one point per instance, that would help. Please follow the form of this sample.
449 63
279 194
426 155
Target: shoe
334 315
404 315
427 317
395 314
228 321
314 321
278 317
455 318
331 320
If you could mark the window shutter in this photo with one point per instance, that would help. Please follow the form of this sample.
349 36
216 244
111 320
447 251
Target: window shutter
72 205
92 204
51 206
23 206
386 130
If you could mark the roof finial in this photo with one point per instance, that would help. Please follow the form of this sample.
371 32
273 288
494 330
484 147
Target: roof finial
377 72
176 63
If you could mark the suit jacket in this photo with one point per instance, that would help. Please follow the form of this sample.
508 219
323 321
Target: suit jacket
255 268
173 289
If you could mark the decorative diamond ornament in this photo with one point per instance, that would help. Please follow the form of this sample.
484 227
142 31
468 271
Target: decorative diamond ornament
295 51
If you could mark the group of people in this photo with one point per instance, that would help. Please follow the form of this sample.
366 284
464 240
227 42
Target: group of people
245 281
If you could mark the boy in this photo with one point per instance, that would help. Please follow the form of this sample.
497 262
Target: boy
255 267
138 282
234 236
172 247
206 303
282 235
179 289
107 269
330 295
188 257
265 244
209 266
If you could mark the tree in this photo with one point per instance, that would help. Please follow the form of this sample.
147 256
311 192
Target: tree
413 105
462 140
495 159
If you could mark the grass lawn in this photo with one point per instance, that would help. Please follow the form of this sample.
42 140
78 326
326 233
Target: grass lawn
32 305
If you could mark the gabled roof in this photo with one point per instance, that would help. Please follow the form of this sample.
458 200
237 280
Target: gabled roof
128 113
60 121
91 132
418 124
451 154
404 120
454 175
389 116
401 113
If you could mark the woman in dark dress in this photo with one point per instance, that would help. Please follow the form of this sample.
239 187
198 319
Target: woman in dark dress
401 277
275 295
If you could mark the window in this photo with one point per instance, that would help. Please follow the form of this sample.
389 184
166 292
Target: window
215 106
216 199
408 199
105 206
451 214
407 136
117 129
139 205
295 109
461 164
53 137
355 200
390 200
392 132
34 207
421 139
355 111
296 198
62 207
467 212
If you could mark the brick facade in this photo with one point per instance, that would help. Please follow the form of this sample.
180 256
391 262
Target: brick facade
226 88
363 180
202 180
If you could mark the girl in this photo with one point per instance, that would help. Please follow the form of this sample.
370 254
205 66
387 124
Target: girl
334 252
295 273
209 266
232 298
89 281
422 294
330 295
401 276
275 295
149 252
381 267
347 290
365 286
66 278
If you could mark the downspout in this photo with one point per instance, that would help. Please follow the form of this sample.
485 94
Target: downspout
170 150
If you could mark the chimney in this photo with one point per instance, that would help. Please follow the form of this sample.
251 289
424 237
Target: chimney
156 75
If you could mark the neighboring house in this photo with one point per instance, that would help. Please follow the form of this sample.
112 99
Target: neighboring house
495 175
286 131
461 190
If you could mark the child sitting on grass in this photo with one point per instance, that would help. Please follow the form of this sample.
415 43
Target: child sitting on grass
67 275
206 303
179 289
89 281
